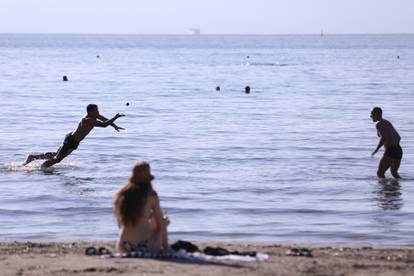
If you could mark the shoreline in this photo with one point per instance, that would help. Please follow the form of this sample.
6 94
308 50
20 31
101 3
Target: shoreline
67 257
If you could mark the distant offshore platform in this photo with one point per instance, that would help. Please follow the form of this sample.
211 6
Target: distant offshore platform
195 31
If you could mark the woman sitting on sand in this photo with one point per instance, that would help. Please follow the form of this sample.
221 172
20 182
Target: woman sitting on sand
138 213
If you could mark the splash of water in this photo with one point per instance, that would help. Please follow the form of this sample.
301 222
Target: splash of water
19 167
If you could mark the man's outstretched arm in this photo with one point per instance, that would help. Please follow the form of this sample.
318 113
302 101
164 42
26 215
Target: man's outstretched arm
103 119
108 122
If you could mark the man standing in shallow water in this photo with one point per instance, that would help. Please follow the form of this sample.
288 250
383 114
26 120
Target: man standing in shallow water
390 139
87 123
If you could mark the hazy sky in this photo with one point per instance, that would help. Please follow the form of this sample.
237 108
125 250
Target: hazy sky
211 16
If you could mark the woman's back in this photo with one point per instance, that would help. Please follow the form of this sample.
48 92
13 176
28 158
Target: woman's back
141 230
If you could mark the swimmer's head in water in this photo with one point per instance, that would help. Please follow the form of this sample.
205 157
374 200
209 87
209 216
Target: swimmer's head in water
92 110
376 114
247 89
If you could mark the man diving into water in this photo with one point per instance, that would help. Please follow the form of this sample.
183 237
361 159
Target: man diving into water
87 123
390 139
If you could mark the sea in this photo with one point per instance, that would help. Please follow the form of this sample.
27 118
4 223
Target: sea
288 162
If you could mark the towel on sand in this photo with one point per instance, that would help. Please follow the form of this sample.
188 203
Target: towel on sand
187 251
182 254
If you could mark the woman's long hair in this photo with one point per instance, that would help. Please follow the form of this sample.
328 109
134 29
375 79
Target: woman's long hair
130 201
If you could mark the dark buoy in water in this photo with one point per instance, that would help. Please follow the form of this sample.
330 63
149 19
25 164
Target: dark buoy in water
398 57
65 78
218 88
127 104
247 89
97 56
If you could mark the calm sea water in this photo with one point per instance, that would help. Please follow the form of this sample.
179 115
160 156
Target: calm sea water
288 162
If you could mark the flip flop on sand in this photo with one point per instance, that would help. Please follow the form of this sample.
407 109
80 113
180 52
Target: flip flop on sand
93 251
301 252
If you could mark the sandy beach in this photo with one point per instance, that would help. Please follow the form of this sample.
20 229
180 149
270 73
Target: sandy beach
68 258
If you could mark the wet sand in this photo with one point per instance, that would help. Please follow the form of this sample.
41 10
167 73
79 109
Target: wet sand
68 258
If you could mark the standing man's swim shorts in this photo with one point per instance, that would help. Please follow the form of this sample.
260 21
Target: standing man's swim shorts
394 152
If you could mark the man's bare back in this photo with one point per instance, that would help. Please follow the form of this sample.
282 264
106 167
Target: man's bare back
86 124
386 131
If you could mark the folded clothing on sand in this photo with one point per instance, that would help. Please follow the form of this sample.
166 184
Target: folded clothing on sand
187 246
212 251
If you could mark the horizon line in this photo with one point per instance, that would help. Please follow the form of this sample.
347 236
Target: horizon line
207 34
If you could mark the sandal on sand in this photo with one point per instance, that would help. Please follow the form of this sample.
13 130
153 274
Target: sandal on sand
104 251
303 252
92 251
